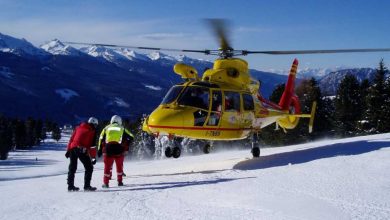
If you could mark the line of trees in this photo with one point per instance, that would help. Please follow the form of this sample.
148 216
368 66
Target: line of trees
358 108
24 134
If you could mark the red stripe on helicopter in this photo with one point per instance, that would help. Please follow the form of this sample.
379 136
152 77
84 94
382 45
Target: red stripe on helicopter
200 128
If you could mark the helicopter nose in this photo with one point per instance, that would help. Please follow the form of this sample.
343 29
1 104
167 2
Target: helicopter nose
165 121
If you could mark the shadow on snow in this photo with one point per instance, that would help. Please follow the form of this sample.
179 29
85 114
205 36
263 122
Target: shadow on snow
307 155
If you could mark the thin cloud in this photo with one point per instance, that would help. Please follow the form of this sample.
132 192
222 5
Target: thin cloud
136 33
162 36
38 31
253 29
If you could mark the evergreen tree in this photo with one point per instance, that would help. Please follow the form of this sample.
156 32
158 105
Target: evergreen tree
308 92
348 106
56 133
30 132
43 134
386 106
327 122
376 101
364 90
5 137
38 132
49 125
19 134
277 93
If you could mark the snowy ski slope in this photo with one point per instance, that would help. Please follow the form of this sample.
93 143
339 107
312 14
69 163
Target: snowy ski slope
332 179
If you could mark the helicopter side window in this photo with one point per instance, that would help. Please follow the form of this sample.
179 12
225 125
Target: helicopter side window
216 108
216 101
248 102
232 101
172 94
195 96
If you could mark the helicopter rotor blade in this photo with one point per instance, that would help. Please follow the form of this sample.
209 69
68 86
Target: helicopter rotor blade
220 28
287 52
141 48
226 47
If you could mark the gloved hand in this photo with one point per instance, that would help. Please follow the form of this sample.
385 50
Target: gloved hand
93 160
100 153
67 154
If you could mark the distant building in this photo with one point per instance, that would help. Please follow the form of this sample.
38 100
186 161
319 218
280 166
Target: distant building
67 129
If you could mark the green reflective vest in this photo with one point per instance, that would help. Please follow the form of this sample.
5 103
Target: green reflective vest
113 133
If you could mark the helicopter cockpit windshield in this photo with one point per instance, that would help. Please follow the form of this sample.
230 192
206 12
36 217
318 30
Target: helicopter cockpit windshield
195 96
172 94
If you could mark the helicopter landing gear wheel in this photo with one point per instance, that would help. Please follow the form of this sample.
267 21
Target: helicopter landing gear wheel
255 145
176 152
168 152
206 148
256 152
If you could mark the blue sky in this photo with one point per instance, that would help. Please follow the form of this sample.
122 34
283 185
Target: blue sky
255 25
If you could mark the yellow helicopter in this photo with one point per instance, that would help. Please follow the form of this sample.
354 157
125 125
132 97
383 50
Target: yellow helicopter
222 105
225 104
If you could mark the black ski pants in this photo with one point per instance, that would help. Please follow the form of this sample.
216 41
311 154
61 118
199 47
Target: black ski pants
77 153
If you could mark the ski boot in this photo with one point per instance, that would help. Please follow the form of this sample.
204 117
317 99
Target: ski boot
89 188
73 188
120 183
105 185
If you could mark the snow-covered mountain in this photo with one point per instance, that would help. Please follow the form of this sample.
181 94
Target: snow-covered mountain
108 54
317 73
65 84
329 78
17 46
106 80
157 55
330 82
307 73
330 179
56 47
132 55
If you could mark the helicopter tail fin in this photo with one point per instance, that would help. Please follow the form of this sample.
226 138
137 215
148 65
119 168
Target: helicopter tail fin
288 94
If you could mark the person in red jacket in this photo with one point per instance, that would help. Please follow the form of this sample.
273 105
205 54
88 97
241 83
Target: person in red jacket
79 147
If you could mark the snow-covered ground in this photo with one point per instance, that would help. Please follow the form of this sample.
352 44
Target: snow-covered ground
333 179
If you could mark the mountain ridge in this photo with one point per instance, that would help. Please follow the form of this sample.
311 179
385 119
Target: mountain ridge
107 81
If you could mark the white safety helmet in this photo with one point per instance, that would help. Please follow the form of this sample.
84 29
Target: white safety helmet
93 120
116 119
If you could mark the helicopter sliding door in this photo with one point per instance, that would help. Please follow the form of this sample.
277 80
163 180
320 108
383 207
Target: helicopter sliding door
247 116
230 124
197 98
216 108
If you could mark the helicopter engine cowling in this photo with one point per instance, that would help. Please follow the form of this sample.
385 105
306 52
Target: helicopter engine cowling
186 71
